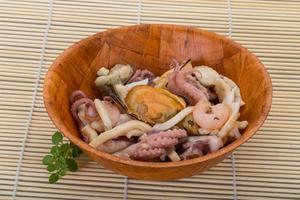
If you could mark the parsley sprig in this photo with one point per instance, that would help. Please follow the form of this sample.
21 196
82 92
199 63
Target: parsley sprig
61 158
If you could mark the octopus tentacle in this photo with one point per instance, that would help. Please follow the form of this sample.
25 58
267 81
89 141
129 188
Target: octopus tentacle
108 98
181 82
116 144
194 149
174 64
201 145
141 74
76 95
91 112
75 106
136 74
153 145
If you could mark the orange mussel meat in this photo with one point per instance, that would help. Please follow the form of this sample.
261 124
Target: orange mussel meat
153 105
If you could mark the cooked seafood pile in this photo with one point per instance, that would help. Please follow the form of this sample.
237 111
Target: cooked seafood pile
185 113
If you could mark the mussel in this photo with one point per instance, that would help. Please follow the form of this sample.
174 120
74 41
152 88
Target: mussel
153 105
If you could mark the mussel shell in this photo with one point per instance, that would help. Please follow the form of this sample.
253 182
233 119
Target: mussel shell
189 125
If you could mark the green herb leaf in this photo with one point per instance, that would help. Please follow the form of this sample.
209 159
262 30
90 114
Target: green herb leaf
57 138
53 178
64 167
61 158
51 168
75 150
64 148
62 173
47 159
55 151
72 165
57 165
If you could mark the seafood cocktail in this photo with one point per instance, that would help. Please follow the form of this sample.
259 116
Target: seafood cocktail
187 112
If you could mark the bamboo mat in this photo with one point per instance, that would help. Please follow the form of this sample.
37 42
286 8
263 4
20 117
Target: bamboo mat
34 32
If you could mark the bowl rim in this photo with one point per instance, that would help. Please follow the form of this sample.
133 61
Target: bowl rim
223 151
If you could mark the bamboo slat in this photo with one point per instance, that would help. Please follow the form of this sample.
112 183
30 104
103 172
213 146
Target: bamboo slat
280 135
19 57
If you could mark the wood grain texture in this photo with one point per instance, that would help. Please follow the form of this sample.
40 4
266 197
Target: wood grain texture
153 47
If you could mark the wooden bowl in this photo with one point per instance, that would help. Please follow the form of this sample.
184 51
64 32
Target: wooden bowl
153 47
